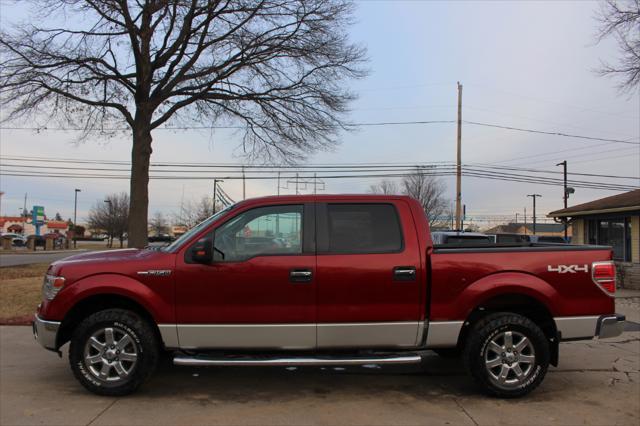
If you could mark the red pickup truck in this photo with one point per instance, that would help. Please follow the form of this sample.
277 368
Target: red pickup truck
325 280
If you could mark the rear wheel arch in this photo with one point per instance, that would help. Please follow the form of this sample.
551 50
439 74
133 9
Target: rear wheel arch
99 302
521 304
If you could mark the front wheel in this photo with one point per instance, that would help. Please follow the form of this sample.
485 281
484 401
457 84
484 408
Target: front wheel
507 354
113 352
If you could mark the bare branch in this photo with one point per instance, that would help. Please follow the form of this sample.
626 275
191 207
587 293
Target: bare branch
621 20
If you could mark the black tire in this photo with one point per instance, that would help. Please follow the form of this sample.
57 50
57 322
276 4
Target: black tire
487 354
448 353
131 359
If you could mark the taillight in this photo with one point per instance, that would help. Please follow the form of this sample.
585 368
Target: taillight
604 275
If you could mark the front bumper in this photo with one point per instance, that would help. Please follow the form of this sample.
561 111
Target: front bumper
610 326
46 332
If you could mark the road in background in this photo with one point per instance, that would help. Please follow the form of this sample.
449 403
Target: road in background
27 258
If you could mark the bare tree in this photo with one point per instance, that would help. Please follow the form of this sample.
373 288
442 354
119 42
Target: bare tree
112 216
621 19
194 212
274 69
159 224
429 191
424 187
386 187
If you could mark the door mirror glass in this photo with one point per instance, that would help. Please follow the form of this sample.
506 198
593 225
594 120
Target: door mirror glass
202 251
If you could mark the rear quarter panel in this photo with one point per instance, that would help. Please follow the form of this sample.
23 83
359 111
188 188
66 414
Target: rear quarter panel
463 280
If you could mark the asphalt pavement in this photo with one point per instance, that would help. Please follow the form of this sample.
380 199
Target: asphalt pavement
597 383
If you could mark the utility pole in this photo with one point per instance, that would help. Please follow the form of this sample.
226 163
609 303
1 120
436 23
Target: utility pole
565 195
525 221
534 196
315 183
25 212
215 187
459 162
244 186
297 180
1 194
278 184
516 218
75 215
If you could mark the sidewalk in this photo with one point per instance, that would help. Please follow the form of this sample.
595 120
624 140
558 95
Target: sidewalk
627 293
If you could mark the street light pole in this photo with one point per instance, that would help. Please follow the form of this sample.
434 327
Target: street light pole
75 215
565 195
534 196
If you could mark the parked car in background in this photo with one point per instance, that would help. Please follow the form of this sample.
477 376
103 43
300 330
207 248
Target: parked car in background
161 238
555 239
17 240
460 238
511 238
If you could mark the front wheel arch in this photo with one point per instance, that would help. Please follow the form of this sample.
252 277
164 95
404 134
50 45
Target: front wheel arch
100 302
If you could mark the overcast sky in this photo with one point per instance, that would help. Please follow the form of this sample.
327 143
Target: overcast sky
522 64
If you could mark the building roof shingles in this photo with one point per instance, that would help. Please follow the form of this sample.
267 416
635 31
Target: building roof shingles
621 202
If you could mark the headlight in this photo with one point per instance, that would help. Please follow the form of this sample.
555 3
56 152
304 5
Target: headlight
51 286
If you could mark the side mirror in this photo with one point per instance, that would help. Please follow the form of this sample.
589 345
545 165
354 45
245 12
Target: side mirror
202 251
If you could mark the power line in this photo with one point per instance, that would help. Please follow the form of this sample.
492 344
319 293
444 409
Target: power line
310 168
367 124
543 132
485 175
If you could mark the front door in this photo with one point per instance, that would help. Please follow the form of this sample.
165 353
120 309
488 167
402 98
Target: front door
369 277
260 289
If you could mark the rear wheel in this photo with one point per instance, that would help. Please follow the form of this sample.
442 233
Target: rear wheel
507 354
113 352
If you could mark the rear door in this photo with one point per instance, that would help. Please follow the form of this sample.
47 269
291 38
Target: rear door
367 275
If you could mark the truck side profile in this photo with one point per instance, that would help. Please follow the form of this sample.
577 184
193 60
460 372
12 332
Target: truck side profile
325 280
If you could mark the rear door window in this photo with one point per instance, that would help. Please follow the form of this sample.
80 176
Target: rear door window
363 228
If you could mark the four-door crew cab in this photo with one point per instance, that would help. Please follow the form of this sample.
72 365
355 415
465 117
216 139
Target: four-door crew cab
324 280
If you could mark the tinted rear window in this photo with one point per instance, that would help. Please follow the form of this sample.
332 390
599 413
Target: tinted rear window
363 228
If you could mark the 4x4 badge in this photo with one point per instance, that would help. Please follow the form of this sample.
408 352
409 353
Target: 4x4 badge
572 269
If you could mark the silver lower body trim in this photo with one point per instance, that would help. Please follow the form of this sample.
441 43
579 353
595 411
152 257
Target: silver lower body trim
443 334
46 332
573 328
369 335
292 336
247 336
252 362
169 334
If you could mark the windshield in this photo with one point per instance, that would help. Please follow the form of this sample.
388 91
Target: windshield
191 232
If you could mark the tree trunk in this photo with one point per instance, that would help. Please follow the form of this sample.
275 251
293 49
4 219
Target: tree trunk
139 189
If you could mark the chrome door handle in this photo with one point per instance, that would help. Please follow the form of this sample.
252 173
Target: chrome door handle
300 276
404 273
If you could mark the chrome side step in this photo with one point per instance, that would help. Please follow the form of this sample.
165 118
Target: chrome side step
203 361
